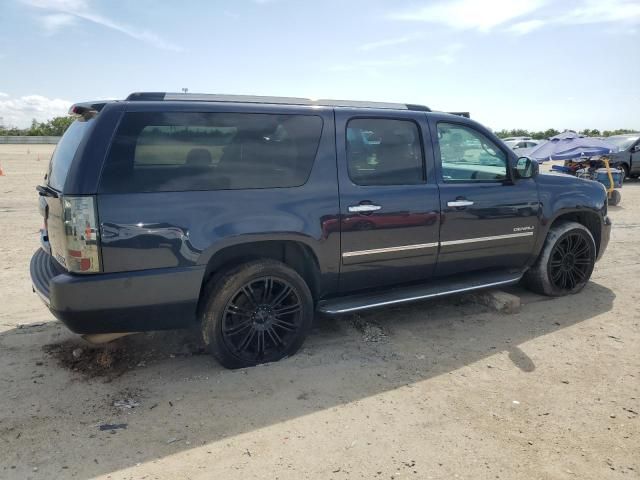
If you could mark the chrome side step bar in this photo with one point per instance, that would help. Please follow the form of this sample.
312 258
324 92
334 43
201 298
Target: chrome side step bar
433 289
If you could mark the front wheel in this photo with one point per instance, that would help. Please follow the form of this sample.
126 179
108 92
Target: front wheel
258 312
624 168
565 263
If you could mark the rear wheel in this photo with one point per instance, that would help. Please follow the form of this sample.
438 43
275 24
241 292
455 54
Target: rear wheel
259 312
614 198
565 263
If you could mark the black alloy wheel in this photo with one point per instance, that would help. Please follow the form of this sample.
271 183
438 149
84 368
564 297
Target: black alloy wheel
571 261
262 319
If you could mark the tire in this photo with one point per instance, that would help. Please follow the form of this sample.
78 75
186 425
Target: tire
615 198
258 312
556 274
624 168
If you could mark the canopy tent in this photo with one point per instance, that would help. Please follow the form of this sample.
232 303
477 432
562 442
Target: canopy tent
569 145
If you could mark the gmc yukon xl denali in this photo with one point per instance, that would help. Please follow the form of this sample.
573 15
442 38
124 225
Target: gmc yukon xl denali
246 215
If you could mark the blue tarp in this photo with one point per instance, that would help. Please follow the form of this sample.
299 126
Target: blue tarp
569 145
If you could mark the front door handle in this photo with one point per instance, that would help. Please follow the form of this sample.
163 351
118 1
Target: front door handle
364 208
460 203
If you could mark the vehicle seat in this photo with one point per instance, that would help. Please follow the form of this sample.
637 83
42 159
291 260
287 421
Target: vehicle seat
397 163
198 157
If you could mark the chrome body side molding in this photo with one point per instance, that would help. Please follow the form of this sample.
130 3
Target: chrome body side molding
374 251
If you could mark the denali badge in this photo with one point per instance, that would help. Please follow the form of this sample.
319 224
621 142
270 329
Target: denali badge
523 229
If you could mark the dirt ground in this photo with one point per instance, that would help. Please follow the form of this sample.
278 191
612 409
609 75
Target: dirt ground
442 390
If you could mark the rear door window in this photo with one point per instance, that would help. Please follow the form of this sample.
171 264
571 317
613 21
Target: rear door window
180 151
384 151
65 151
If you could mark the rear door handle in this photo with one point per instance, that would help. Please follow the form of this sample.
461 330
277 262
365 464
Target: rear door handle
460 203
364 208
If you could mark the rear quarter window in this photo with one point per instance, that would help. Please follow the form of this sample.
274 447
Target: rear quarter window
65 151
180 151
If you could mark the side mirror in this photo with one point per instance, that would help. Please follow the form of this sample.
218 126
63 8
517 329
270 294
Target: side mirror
636 149
526 167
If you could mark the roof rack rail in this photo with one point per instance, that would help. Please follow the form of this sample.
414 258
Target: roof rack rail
207 97
461 114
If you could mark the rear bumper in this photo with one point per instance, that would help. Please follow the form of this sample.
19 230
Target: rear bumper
605 234
118 302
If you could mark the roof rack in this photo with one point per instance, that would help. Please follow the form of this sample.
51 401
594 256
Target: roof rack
461 114
206 97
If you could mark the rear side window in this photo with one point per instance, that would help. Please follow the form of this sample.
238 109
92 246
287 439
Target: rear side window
65 151
179 151
384 152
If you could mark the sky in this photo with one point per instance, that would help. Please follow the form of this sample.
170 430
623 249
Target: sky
533 64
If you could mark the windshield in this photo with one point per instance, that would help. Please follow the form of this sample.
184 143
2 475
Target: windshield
622 142
65 151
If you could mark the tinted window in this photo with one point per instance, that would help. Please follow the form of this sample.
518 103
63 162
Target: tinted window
163 152
65 151
467 155
622 142
384 152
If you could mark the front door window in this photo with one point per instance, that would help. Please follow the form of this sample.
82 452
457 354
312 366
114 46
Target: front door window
468 156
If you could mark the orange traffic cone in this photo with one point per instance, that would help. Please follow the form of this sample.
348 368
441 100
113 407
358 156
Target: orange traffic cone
1 172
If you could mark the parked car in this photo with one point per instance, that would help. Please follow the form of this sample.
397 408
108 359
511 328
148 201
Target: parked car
627 158
524 144
515 139
245 215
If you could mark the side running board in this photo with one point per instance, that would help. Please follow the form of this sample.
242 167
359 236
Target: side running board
433 289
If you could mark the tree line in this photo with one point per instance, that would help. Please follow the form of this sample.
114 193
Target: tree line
54 128
57 126
542 135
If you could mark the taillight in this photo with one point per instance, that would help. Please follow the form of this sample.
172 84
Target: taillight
82 252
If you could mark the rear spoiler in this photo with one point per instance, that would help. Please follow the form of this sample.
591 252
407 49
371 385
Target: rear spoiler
87 110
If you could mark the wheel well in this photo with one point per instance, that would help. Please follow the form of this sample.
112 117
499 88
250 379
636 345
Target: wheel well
590 220
624 164
296 255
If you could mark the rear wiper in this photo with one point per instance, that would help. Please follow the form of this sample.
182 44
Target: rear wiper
46 191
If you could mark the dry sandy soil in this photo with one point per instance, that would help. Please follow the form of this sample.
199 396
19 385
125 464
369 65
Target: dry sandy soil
441 390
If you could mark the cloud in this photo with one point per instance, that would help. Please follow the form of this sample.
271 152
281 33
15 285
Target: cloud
471 14
604 11
63 12
18 112
54 22
388 42
522 28
2 94
448 54
622 12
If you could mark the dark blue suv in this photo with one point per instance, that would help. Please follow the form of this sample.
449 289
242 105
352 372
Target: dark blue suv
246 215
